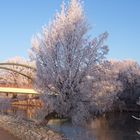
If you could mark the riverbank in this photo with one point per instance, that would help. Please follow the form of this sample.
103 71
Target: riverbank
5 135
27 130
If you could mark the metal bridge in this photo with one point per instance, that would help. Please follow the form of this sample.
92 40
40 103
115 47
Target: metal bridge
4 66
16 91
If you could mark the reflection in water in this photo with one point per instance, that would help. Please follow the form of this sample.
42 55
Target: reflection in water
112 126
20 111
116 126
25 111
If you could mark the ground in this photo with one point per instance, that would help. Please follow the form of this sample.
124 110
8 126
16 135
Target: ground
5 135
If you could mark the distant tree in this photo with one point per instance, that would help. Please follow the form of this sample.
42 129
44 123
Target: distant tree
64 56
14 79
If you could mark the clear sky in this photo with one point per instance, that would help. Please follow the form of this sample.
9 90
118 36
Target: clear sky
21 19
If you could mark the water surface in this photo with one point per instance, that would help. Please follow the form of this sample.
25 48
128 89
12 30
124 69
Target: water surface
112 126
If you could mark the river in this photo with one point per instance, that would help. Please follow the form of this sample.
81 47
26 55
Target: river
110 126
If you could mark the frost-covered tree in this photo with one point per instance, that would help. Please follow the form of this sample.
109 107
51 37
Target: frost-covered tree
126 78
106 86
64 56
129 76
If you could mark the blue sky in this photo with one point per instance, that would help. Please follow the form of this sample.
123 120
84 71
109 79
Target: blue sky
21 19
